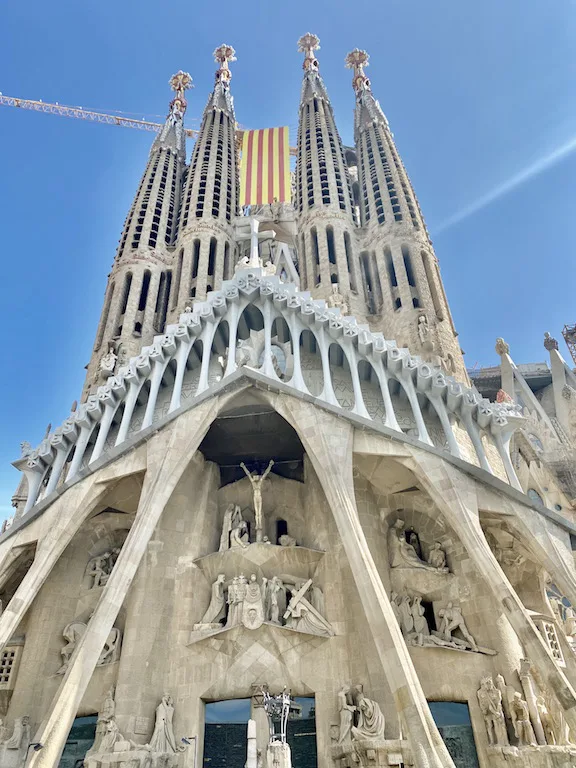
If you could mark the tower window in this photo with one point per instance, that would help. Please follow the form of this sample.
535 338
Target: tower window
144 290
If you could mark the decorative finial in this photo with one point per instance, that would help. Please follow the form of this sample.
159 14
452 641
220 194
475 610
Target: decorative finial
357 60
501 347
307 44
223 55
180 82
550 342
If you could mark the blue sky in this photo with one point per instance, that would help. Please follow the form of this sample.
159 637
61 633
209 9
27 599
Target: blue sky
480 97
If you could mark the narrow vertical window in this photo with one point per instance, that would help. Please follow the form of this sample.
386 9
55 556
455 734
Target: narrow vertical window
349 262
212 256
432 286
226 271
105 313
144 290
178 277
195 258
316 254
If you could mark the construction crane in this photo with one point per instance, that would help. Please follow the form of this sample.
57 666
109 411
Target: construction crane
85 114
97 117
569 333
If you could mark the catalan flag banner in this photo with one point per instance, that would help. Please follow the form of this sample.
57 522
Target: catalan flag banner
265 167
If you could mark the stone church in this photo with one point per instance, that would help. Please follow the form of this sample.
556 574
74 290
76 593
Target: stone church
281 483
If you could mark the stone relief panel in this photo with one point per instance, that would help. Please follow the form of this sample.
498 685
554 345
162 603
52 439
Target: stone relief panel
73 633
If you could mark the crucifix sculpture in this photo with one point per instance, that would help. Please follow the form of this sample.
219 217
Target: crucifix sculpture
256 481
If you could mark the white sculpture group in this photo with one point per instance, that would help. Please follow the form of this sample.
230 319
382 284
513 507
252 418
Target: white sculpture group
248 602
158 750
403 553
360 718
529 721
411 616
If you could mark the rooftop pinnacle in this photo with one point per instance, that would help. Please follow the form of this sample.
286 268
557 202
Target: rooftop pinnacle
307 44
357 60
180 82
223 55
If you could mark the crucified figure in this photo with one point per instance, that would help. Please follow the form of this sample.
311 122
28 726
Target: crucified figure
256 480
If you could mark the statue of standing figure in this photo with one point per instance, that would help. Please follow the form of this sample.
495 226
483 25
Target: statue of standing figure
163 740
256 481
521 721
490 701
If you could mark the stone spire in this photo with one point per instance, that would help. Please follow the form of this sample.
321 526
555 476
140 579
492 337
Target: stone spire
210 200
137 296
324 205
403 289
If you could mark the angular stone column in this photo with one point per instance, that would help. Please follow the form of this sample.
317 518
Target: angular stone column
168 454
70 511
454 493
328 442
530 695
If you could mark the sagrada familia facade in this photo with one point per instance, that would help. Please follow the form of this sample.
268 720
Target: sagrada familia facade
282 487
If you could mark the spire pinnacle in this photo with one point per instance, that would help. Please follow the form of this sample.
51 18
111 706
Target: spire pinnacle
307 44
223 55
180 83
357 60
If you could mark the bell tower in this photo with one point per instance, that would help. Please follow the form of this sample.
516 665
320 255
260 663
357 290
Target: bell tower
137 295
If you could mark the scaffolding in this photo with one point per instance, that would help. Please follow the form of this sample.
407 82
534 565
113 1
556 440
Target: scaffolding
569 333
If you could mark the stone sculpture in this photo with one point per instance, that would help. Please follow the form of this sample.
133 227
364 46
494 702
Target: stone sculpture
236 595
336 300
106 714
253 608
301 615
231 515
371 721
256 481
453 620
490 701
163 740
251 604
404 555
239 538
346 712
25 449
107 362
423 328
217 608
74 631
276 600
437 556
521 721
287 541
100 567
546 719
411 617
20 735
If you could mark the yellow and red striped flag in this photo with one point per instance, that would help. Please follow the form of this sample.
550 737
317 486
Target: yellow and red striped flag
265 167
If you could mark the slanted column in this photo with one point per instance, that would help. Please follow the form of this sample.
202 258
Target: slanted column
359 407
328 442
155 381
327 393
530 694
169 454
454 493
129 405
502 441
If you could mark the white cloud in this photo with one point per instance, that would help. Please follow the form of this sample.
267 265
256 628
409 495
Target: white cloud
508 186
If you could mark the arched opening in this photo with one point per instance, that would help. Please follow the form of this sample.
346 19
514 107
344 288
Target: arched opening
311 363
402 408
192 372
341 377
252 432
251 322
433 424
371 392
